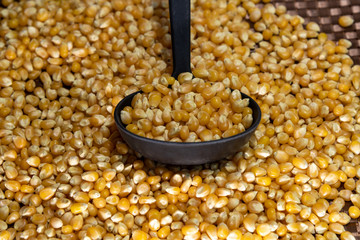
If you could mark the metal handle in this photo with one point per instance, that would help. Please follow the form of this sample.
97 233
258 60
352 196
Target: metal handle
180 35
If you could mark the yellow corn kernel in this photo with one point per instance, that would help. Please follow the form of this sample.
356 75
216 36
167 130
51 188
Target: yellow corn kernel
273 171
77 208
346 21
234 235
47 193
325 190
33 161
5 235
189 229
19 142
292 208
91 176
347 236
300 163
13 185
354 212
263 229
263 181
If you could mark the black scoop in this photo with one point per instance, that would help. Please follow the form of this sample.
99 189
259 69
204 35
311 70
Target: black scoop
184 153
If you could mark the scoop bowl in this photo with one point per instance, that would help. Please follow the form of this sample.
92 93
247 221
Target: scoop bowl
186 153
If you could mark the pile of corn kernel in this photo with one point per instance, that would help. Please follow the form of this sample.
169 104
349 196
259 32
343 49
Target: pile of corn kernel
187 110
65 173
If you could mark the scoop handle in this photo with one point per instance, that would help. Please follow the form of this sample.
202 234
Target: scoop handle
180 35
